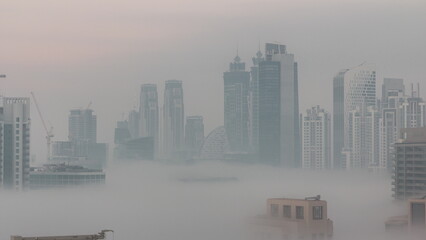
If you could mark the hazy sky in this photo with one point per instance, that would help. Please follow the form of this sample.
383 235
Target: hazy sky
73 52
146 201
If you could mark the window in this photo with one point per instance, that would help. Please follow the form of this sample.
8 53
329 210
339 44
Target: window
17 163
317 212
17 119
287 211
17 131
299 212
274 210
17 125
17 138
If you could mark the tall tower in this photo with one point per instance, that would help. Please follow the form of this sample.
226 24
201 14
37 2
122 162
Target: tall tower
279 134
254 103
148 110
173 120
236 115
353 90
82 126
194 135
316 142
15 142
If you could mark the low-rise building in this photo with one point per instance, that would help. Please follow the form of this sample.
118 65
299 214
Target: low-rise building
414 223
62 175
293 219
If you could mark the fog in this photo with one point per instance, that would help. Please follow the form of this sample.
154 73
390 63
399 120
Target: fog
147 201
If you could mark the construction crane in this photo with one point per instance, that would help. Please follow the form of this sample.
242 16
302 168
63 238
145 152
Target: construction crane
49 132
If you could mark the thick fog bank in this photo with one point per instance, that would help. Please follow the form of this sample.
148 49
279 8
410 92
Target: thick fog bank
150 201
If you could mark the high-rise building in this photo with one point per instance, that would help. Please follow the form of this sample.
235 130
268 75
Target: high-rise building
194 135
412 112
236 112
133 123
173 120
82 126
391 86
409 169
393 91
353 89
316 139
254 104
149 114
362 149
14 142
279 135
82 147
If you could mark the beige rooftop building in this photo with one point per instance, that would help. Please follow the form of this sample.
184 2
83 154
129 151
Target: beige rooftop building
293 219
414 223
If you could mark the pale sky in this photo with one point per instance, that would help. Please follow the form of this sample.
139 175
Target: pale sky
73 52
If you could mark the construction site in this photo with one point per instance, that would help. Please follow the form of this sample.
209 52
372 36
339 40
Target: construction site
101 235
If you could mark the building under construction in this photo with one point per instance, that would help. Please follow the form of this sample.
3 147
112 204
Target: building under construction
100 235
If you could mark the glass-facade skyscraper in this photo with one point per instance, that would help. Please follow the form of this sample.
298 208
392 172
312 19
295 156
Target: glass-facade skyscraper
279 130
236 105
173 119
148 114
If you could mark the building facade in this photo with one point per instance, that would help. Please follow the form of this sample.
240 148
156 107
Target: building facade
316 139
82 126
279 132
149 114
194 135
236 105
173 120
353 90
61 176
14 142
409 170
254 104
293 219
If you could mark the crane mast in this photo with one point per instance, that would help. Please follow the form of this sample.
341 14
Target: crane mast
49 132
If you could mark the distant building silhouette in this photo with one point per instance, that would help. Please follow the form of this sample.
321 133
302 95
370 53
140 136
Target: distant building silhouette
173 120
254 104
194 135
215 145
149 114
236 105
82 147
279 131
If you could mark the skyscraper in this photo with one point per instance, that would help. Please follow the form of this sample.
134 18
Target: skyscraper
133 124
316 139
173 119
279 135
412 112
15 142
393 91
194 135
353 89
148 110
82 147
254 103
236 115
82 126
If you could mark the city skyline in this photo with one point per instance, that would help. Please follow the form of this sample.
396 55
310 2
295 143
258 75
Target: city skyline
55 59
